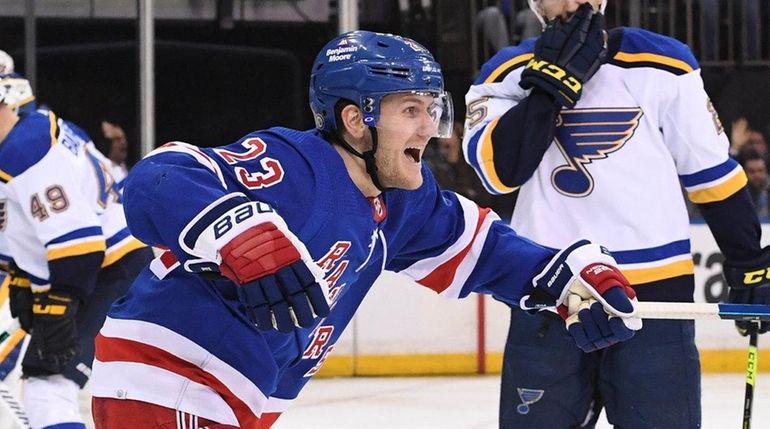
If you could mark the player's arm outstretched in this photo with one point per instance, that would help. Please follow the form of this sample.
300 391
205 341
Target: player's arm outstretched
514 104
461 248
178 198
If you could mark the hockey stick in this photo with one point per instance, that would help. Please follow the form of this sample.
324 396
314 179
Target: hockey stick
751 372
698 311
7 399
13 406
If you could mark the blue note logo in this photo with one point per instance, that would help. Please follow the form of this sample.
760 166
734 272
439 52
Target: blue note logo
528 397
584 136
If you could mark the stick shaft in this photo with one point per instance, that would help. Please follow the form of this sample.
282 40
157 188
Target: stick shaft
13 407
751 372
700 311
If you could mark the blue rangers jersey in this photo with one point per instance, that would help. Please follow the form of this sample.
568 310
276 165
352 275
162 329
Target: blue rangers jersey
179 338
57 202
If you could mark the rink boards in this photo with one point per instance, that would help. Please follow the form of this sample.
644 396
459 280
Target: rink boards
403 328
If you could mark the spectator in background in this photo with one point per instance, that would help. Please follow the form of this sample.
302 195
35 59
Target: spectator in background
759 183
493 30
527 25
743 139
117 150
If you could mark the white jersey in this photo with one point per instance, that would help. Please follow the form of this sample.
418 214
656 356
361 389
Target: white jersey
56 197
612 174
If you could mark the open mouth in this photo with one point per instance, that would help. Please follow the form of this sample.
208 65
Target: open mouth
413 154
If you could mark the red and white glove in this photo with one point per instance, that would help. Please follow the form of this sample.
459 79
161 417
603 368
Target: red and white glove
280 286
589 293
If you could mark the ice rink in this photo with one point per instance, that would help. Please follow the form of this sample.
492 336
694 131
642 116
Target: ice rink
471 403
464 403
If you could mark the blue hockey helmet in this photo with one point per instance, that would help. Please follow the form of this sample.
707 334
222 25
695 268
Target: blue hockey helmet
363 67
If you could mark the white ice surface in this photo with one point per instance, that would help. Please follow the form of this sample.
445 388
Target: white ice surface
465 403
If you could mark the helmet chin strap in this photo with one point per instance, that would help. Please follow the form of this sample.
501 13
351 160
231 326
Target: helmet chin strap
367 156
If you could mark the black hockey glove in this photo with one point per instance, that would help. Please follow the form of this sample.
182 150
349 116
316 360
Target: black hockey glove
54 333
20 296
566 55
749 283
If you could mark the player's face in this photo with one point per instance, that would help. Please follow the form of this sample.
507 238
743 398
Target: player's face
404 128
552 9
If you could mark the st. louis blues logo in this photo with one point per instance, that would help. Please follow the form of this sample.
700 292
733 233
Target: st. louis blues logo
528 397
586 135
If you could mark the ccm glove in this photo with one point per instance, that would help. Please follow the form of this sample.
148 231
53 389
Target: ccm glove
54 332
589 293
749 283
567 55
20 296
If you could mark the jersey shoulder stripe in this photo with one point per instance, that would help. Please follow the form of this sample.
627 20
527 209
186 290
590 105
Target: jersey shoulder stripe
27 143
505 61
642 48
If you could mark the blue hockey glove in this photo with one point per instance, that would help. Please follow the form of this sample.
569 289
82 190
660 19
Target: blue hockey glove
567 55
278 287
589 293
749 283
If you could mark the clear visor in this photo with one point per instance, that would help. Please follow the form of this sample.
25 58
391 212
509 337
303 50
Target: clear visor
413 111
443 114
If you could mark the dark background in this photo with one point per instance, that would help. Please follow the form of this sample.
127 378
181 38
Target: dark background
214 84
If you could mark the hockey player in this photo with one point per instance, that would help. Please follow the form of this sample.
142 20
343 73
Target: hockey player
274 240
597 130
72 253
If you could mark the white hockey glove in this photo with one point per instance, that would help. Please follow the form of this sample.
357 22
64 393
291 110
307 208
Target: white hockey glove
589 293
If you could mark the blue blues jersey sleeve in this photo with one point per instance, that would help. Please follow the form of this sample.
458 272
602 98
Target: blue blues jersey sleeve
454 247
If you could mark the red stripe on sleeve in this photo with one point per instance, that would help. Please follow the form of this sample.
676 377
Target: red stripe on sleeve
441 277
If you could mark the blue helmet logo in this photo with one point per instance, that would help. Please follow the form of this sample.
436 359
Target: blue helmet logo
363 67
